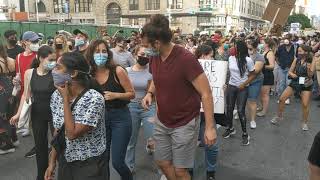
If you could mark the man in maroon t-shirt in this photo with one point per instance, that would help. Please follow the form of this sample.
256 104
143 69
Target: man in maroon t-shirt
179 85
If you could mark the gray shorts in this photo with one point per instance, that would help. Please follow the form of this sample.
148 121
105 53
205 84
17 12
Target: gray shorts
177 145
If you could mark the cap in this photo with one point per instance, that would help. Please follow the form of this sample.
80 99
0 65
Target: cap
82 31
30 36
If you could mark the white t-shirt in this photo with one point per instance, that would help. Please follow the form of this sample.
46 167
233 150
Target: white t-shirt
235 77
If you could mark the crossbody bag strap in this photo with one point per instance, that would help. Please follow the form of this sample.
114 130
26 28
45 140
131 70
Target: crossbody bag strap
74 104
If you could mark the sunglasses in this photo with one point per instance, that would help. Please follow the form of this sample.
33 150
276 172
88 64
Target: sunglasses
250 49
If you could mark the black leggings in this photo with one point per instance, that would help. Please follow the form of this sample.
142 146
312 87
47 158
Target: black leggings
40 120
234 95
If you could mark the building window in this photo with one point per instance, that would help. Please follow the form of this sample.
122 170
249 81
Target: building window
59 6
82 6
152 4
175 4
133 4
113 13
134 21
208 3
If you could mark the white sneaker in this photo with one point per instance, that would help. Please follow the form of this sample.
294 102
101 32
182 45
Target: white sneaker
275 120
261 114
21 130
16 143
253 124
26 133
287 102
163 177
305 127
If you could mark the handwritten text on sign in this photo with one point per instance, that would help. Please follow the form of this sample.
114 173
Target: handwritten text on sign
216 72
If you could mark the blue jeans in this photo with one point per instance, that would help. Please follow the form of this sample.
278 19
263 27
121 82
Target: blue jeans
118 125
138 115
283 80
211 152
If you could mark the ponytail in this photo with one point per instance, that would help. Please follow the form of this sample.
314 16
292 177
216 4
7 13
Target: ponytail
35 62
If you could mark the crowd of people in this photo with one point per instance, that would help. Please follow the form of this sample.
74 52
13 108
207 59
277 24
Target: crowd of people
95 94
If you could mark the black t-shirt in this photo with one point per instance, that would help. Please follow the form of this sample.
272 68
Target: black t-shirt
12 53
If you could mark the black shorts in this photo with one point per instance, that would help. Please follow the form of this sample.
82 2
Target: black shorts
314 155
299 88
268 79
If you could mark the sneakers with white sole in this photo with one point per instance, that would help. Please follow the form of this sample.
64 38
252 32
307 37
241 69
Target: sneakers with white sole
21 130
253 125
275 120
7 149
305 127
261 114
26 133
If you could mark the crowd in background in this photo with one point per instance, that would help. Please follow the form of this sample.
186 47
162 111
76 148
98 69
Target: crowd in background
100 92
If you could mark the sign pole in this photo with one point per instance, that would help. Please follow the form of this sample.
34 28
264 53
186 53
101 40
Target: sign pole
274 19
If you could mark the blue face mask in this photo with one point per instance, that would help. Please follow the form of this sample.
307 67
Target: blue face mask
100 58
50 66
61 79
226 47
79 42
151 52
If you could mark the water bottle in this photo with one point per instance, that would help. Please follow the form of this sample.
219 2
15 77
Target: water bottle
17 86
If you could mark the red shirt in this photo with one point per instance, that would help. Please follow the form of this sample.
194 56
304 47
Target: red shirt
24 63
178 101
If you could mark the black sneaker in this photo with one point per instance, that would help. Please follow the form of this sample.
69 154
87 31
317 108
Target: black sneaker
211 175
245 139
228 133
5 149
31 153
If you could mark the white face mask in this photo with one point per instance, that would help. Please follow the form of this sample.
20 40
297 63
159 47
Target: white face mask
300 42
34 47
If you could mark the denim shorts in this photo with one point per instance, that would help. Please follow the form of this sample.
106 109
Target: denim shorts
254 90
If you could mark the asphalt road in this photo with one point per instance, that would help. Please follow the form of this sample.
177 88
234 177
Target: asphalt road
274 153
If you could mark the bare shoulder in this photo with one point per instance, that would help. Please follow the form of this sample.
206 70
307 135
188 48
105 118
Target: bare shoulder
120 71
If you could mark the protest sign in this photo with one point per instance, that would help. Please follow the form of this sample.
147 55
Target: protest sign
216 72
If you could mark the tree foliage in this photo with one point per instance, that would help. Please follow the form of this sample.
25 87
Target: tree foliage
300 18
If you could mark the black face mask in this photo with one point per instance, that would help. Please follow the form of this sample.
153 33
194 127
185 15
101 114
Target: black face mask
142 61
70 48
13 42
59 46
